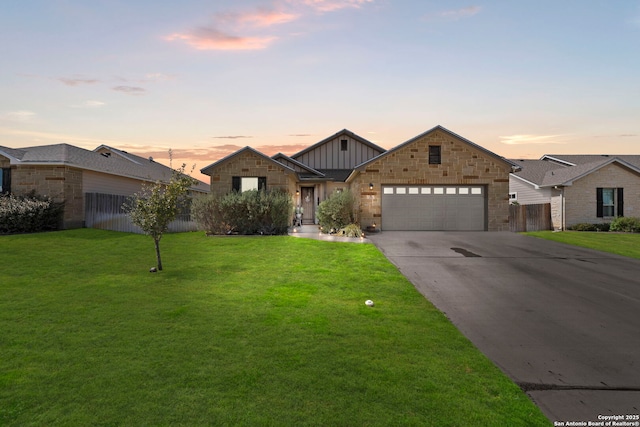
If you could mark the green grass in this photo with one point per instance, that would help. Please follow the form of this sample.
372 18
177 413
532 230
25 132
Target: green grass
625 244
236 331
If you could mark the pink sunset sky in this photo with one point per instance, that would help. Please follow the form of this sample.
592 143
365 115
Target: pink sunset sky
205 78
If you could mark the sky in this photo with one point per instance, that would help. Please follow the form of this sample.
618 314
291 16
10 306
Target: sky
205 78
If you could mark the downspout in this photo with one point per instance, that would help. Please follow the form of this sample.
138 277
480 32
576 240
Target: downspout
562 214
562 218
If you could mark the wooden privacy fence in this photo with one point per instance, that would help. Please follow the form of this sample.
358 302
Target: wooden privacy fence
104 211
530 217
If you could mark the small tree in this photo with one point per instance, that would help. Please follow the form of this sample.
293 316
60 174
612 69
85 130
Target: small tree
158 204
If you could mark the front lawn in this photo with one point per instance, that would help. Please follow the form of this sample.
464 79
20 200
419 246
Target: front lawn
236 331
626 244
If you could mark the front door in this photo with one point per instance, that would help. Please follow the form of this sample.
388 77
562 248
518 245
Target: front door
306 194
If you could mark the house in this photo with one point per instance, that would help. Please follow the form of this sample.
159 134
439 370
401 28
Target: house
437 180
67 173
580 188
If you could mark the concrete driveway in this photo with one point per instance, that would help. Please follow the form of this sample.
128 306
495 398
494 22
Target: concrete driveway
563 322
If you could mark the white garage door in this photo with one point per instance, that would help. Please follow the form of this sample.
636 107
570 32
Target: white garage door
434 207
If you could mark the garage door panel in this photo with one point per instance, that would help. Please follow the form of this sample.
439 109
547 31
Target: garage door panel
437 208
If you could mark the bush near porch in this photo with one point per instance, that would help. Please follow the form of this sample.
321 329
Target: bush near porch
247 213
337 211
29 214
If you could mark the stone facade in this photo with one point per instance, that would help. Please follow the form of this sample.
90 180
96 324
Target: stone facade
580 198
461 163
61 183
251 164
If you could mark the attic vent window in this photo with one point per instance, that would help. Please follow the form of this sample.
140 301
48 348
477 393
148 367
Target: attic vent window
107 154
343 145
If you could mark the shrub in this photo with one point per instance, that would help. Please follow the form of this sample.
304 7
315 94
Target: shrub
351 230
29 214
250 212
337 211
207 212
585 226
626 224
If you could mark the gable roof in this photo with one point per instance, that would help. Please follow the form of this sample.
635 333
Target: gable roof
534 171
344 132
578 159
207 169
278 157
563 170
123 164
435 129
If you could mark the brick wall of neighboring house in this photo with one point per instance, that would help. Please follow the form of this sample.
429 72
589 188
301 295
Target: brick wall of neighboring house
249 164
461 164
61 183
580 198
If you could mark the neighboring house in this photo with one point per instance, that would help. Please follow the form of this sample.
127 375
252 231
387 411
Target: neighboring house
580 188
435 181
66 173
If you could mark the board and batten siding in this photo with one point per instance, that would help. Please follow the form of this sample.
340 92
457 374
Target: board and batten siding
330 156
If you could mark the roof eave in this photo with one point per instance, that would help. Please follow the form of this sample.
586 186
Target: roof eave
206 169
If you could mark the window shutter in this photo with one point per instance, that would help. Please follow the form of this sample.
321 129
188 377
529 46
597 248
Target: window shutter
262 183
620 202
599 209
235 183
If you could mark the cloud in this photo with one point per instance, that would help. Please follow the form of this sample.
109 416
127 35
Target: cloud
455 14
130 90
213 39
331 5
89 104
231 137
157 77
262 17
300 134
20 116
532 139
77 81
241 30
621 135
57 137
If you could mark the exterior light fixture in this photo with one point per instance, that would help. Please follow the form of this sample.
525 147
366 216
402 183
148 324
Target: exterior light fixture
297 192
370 186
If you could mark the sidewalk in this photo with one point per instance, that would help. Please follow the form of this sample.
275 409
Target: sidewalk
312 231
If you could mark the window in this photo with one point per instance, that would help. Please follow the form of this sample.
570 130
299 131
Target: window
247 183
609 202
434 155
513 197
5 181
343 145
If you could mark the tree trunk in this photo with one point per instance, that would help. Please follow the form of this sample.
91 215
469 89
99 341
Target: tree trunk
157 242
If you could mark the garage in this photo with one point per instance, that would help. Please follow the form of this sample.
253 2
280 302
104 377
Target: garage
434 208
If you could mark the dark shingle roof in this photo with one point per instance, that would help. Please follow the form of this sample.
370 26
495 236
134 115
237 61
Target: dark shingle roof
552 170
103 159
